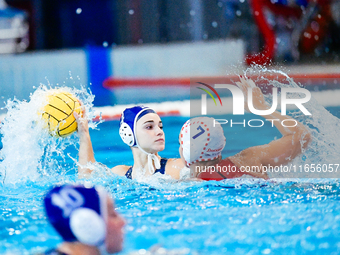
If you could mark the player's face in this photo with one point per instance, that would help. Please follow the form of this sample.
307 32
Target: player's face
114 229
149 132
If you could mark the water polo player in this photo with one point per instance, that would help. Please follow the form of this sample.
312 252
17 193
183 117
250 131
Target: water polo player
86 220
140 128
201 150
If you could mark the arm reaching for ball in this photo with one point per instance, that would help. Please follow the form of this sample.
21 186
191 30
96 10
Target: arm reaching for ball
86 153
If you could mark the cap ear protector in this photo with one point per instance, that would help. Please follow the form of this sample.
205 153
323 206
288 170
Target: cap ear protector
87 226
78 213
128 120
126 134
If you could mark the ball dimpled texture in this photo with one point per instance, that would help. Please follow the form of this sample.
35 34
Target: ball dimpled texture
58 113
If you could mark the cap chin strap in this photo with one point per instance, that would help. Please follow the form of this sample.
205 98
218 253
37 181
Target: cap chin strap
153 160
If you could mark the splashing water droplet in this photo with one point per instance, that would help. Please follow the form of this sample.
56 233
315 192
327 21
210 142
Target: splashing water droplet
322 125
29 152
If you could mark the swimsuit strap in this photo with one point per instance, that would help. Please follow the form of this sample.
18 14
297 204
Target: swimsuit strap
161 170
128 174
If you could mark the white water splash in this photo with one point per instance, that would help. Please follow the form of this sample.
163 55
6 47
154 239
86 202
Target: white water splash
29 151
324 148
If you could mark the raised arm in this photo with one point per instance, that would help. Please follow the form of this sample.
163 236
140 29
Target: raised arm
278 152
86 153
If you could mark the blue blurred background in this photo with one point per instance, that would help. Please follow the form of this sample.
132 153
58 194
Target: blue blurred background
84 42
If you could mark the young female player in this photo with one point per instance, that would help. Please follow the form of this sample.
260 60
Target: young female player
140 128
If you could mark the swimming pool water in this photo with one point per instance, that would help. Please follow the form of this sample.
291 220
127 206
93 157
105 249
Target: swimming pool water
241 216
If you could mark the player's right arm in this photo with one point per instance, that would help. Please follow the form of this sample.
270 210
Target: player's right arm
86 153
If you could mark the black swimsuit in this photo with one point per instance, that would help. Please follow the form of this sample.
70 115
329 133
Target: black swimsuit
161 170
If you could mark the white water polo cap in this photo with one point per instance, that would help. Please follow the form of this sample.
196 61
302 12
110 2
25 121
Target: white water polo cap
202 139
127 131
78 213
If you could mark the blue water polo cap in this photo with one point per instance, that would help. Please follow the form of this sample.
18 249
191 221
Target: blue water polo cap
128 121
78 213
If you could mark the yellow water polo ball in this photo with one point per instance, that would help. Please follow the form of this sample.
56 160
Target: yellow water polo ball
58 112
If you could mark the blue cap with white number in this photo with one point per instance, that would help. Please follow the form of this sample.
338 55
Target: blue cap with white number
77 213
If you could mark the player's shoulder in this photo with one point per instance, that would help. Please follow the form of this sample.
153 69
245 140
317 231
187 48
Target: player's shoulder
120 170
175 162
174 167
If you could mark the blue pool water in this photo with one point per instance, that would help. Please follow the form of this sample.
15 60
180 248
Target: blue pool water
241 216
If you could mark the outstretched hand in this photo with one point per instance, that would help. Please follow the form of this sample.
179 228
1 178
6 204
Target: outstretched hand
83 127
259 102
